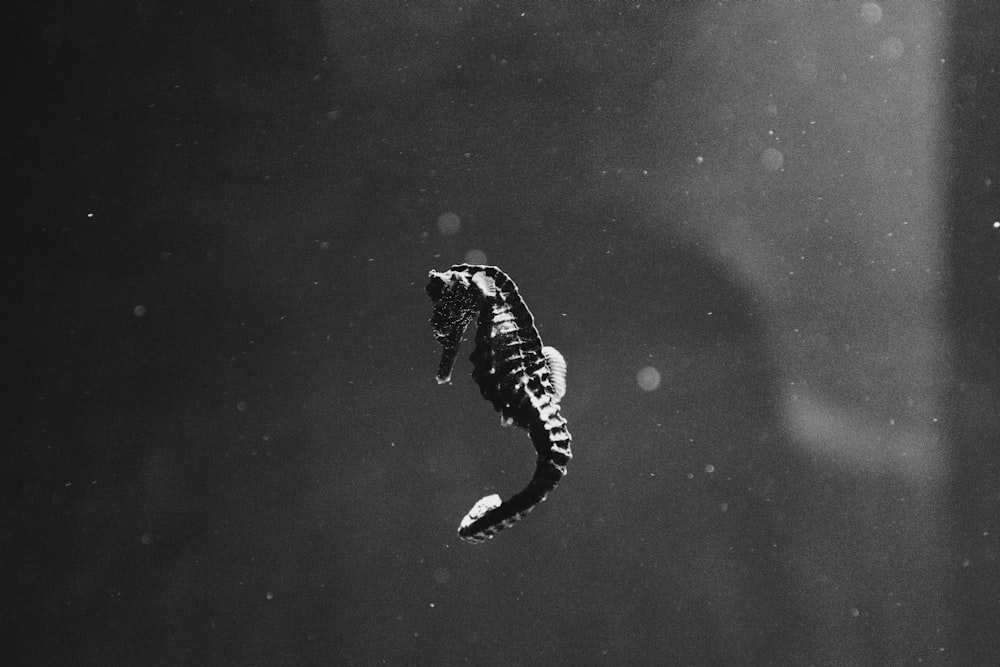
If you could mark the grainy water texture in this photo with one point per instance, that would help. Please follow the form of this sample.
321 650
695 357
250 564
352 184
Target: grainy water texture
764 237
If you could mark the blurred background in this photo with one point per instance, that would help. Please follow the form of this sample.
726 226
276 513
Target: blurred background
765 236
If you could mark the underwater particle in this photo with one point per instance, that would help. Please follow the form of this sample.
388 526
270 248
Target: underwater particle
241 406
855 612
449 224
891 48
146 538
996 224
772 159
709 468
475 256
139 311
269 595
699 160
648 378
442 575
771 110
871 13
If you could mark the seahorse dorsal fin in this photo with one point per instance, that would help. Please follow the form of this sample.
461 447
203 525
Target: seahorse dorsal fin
486 284
557 370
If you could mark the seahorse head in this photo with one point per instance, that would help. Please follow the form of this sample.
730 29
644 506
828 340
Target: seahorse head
455 303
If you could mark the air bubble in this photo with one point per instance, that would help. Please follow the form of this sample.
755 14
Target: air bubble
891 48
772 159
449 224
871 13
648 378
475 256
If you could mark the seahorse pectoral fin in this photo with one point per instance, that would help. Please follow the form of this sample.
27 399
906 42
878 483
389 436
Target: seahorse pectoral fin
486 284
557 370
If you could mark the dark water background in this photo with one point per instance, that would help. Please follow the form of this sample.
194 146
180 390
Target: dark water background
225 442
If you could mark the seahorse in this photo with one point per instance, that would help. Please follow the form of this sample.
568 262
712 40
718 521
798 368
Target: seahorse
523 379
